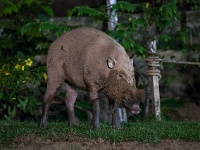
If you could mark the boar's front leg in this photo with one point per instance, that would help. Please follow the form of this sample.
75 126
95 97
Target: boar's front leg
70 99
95 113
95 105
115 114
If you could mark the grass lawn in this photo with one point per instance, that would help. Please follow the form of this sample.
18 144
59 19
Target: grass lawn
151 131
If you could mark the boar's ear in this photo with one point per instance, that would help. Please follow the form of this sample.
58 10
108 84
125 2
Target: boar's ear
111 62
131 55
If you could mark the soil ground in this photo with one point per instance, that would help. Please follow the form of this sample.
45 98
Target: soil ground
32 142
73 142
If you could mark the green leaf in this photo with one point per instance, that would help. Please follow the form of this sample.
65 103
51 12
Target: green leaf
170 12
124 6
38 29
87 11
165 37
28 2
7 10
14 8
48 10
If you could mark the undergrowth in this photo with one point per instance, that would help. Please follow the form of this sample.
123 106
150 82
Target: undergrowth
151 131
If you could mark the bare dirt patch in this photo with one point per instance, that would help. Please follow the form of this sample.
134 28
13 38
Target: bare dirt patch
32 142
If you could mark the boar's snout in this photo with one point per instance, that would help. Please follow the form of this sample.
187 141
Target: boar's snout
132 99
132 107
135 109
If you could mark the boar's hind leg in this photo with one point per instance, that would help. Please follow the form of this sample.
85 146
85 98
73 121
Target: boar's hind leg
52 86
70 99
115 114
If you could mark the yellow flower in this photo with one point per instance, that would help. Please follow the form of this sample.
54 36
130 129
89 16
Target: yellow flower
45 76
147 5
17 66
22 68
28 62
6 73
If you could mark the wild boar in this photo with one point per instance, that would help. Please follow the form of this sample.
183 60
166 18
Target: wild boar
90 60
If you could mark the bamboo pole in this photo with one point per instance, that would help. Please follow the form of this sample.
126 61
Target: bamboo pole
111 26
181 62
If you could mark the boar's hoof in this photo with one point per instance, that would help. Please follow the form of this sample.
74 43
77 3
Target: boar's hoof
71 125
95 123
95 127
43 124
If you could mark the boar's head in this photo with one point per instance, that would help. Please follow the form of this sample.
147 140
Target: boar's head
120 87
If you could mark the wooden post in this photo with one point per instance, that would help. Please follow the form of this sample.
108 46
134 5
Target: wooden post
153 63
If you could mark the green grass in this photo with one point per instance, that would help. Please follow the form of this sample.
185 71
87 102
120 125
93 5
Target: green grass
152 131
